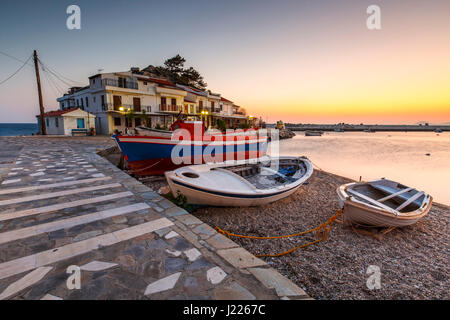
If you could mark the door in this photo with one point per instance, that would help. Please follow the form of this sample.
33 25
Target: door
137 104
163 104
174 104
80 123
117 100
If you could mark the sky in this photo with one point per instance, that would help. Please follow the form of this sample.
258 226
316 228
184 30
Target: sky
311 61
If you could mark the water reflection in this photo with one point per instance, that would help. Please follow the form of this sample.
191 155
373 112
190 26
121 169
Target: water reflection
399 156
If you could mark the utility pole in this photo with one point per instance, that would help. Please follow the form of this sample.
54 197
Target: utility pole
41 105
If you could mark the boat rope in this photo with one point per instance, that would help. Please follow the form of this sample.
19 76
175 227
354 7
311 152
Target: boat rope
142 169
322 232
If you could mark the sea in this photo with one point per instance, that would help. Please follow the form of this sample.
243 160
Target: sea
416 159
18 129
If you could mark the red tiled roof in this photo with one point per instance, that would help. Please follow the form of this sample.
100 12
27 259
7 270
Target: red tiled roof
56 113
161 81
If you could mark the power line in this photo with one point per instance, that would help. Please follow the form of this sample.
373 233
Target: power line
59 75
12 57
17 71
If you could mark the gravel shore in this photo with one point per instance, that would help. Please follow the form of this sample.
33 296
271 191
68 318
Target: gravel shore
413 260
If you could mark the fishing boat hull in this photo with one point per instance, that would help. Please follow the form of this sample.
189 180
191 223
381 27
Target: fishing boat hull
148 155
313 133
357 211
225 189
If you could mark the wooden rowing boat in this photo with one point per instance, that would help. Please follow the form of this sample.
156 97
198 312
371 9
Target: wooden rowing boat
382 203
250 182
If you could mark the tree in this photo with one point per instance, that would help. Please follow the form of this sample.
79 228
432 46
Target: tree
144 117
174 70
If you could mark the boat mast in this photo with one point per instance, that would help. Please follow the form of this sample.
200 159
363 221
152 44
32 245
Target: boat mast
41 105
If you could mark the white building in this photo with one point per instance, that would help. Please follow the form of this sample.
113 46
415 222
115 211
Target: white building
111 96
65 122
122 100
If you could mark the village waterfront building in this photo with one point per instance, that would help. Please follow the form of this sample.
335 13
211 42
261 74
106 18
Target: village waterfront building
67 122
121 100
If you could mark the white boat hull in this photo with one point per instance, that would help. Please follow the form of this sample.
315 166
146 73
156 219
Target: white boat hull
359 213
203 194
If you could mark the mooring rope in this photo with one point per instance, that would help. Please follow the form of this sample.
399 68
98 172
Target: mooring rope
322 232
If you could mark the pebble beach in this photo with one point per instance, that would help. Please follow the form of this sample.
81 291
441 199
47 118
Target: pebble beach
413 260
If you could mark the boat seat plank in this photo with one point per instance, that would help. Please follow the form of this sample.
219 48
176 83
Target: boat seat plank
394 194
410 200
375 202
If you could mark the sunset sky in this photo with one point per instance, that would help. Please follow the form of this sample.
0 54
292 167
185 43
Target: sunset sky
311 61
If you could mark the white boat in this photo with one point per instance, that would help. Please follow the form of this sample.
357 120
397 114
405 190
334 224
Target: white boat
382 203
310 133
250 182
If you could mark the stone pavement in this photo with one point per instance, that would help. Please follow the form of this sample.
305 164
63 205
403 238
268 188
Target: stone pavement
64 208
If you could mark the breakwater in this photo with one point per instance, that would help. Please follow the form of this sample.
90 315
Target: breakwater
366 127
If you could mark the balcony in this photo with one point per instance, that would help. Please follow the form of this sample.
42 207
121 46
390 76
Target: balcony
170 108
123 83
111 107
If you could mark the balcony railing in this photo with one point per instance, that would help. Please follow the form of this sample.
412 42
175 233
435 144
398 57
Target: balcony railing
124 83
170 108
111 107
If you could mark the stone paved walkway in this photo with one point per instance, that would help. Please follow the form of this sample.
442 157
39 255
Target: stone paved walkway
62 205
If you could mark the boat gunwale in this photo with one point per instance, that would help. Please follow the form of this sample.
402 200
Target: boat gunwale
418 213
256 193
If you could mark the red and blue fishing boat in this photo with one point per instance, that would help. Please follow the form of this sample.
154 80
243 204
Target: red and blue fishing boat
153 152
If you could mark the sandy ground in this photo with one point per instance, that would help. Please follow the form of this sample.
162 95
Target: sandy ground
413 260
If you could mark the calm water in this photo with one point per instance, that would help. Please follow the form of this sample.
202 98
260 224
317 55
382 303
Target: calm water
398 156
17 129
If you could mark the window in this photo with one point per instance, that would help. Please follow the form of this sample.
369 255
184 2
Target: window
117 122
137 122
93 98
145 83
87 102
174 102
103 103
56 122
46 121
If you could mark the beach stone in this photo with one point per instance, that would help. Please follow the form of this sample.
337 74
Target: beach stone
272 279
199 264
192 254
233 292
126 260
163 284
188 219
136 250
240 258
175 211
87 235
97 266
215 275
174 264
219 241
158 244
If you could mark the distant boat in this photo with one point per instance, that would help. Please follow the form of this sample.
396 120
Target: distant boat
382 203
338 130
369 130
241 183
309 133
438 130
